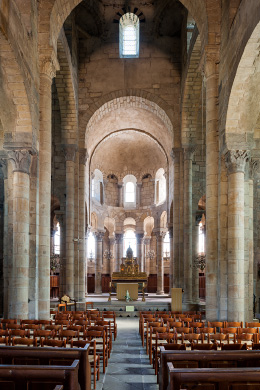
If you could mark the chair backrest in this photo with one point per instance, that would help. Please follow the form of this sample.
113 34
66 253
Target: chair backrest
229 330
203 347
24 341
233 324
53 343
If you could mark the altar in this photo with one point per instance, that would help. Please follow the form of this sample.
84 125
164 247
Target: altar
129 275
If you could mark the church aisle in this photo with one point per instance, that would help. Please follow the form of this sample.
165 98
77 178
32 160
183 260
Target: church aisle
128 366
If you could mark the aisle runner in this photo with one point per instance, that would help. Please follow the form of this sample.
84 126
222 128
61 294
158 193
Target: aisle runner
128 366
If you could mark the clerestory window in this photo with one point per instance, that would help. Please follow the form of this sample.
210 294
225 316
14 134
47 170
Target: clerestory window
129 36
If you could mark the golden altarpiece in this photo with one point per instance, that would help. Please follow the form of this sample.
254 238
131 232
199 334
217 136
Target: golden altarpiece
129 273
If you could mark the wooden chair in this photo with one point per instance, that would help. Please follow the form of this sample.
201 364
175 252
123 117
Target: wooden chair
29 322
233 347
150 325
69 302
110 316
94 358
4 340
160 340
218 338
247 338
216 324
44 323
191 338
24 341
154 330
6 321
43 333
206 330
203 347
89 303
174 324
252 324
179 331
22 333
52 343
13 326
54 328
101 348
231 331
68 334
233 324
61 307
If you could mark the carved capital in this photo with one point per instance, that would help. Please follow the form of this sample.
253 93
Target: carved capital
83 156
160 235
236 160
99 236
49 65
175 155
139 237
21 160
119 237
70 152
4 167
189 151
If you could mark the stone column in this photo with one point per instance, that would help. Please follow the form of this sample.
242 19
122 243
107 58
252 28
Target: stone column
236 161
147 242
176 218
98 263
83 156
222 240
181 225
119 250
47 70
138 195
143 256
170 229
139 239
86 268
188 156
21 161
195 270
212 156
60 218
70 152
160 266
120 195
4 167
112 247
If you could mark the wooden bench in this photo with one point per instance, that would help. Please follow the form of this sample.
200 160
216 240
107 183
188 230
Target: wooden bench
213 378
50 356
204 359
43 377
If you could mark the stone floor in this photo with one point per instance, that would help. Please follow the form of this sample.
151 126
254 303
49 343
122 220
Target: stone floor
128 367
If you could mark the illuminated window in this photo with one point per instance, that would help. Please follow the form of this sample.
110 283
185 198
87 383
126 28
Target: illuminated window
130 240
166 245
129 36
201 238
129 192
57 241
160 186
91 247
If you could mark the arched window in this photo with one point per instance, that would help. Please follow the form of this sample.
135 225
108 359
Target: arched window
97 186
129 36
57 240
130 240
166 245
160 187
91 247
129 191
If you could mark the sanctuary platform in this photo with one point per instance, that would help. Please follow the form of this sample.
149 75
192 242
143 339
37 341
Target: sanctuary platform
152 302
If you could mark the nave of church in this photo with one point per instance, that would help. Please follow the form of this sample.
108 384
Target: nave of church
130 124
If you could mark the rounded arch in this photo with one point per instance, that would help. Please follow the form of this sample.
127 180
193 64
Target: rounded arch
15 109
94 221
129 221
125 110
109 224
192 99
62 8
163 220
66 90
148 226
244 101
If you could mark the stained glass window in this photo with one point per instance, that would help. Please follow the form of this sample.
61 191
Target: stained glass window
129 36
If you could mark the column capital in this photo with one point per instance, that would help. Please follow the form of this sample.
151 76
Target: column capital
83 156
147 240
99 236
49 64
70 152
236 160
139 237
189 151
112 240
4 167
175 154
255 169
59 216
21 160
160 234
119 237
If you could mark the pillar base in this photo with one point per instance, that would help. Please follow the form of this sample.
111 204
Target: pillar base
160 293
98 292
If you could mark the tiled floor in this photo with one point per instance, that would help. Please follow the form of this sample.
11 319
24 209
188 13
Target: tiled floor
128 366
